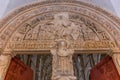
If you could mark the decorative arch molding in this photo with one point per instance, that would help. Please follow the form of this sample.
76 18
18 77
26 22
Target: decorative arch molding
33 27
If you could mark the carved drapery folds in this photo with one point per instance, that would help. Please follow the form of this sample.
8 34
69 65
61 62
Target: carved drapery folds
62 61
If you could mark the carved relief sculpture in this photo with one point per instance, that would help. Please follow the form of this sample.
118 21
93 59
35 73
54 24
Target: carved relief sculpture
61 26
62 61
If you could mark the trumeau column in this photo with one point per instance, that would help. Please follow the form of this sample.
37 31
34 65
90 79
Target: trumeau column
62 64
4 64
116 59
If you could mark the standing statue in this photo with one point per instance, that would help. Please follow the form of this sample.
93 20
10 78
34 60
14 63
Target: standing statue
62 61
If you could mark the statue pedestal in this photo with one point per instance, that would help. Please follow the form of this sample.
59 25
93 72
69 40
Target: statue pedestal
64 78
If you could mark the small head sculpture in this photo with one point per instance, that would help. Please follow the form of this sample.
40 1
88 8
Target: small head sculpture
61 43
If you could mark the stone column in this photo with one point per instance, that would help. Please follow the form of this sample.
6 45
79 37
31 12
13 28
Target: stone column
116 59
4 64
62 65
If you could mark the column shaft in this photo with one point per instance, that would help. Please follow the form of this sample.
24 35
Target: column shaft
4 64
116 59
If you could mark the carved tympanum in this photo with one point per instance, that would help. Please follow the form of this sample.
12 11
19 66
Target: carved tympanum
62 26
41 33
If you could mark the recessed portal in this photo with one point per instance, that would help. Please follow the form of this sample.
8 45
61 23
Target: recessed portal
41 65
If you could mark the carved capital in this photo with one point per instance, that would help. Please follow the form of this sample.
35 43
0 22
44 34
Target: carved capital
10 53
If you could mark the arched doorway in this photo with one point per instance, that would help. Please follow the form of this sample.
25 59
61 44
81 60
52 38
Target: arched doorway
47 26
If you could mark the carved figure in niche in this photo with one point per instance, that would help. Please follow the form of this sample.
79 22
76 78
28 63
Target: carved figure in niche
62 61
